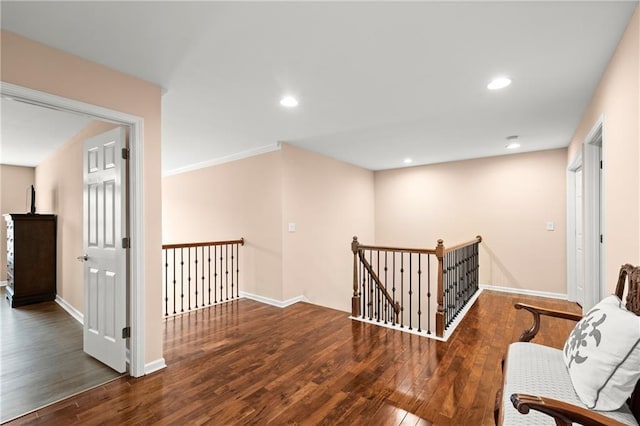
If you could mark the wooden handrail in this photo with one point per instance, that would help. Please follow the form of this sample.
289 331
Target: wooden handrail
477 239
205 244
397 249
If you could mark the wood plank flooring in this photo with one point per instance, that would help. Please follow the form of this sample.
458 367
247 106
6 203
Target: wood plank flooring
249 363
41 358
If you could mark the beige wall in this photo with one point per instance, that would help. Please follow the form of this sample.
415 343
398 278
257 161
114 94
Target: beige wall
229 201
36 66
329 201
257 197
59 191
15 183
617 100
506 199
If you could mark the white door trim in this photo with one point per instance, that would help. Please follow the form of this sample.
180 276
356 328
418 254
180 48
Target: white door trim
593 198
576 163
136 207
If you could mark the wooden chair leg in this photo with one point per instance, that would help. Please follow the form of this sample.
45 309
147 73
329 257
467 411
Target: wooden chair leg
497 406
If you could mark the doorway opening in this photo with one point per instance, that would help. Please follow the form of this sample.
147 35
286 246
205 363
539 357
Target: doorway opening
585 218
135 293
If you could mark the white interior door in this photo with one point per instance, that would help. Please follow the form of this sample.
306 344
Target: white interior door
105 272
579 240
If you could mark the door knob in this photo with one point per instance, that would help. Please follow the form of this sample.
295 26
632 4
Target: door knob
83 258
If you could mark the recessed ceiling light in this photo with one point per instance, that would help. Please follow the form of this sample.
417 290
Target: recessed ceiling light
499 83
289 102
513 142
407 161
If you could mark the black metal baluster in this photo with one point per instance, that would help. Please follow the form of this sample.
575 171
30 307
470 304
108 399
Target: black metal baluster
371 295
447 259
202 275
232 261
401 290
166 283
226 271
419 291
476 278
364 289
189 277
378 294
237 270
221 287
209 272
174 281
215 275
386 311
452 284
428 294
410 292
181 280
195 249
393 288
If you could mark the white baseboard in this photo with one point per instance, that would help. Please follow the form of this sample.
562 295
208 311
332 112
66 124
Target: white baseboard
3 283
273 302
70 309
525 292
458 319
404 329
447 333
153 366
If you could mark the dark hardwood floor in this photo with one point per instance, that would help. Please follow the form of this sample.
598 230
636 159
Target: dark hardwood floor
41 358
249 363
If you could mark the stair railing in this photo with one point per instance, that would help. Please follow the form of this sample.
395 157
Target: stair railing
394 285
199 275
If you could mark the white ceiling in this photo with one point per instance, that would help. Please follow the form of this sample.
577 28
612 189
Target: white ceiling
31 133
377 81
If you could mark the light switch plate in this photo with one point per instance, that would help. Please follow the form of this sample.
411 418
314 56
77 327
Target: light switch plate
292 227
550 226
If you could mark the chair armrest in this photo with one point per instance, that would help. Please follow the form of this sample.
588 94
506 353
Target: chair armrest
563 413
536 311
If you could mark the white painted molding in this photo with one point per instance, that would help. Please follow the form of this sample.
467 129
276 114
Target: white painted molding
3 283
525 292
458 319
153 366
273 302
396 327
447 333
226 159
76 314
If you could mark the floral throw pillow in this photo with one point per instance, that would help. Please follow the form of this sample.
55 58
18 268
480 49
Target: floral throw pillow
602 355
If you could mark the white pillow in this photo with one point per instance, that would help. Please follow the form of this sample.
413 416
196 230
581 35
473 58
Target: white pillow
602 355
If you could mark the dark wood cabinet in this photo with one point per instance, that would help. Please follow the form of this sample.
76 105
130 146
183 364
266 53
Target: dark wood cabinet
31 258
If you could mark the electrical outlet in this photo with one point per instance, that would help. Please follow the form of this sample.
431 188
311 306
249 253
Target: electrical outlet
551 226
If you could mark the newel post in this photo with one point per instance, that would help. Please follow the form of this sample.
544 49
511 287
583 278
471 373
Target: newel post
355 300
440 311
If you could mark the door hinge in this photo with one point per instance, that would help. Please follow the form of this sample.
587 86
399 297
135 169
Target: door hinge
126 332
126 243
125 153
601 238
600 163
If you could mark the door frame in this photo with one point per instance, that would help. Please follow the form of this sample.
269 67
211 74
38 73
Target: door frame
136 292
574 166
593 197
